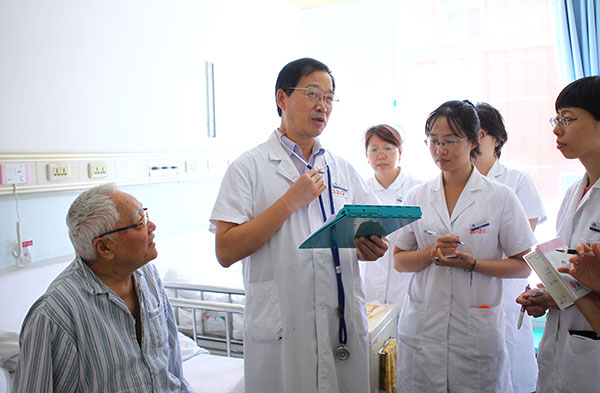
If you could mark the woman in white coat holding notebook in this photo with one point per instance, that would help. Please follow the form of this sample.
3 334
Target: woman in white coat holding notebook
383 146
569 353
451 329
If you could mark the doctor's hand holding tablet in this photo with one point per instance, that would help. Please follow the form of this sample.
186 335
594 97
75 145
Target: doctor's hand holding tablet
370 249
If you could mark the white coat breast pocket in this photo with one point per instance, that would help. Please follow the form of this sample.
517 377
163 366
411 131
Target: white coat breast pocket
263 312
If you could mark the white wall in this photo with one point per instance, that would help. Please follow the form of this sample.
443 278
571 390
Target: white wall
356 41
124 75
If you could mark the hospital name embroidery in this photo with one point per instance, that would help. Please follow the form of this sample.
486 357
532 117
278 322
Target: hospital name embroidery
595 227
339 190
479 228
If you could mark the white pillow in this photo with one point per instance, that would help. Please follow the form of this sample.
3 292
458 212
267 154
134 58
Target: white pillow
189 348
9 350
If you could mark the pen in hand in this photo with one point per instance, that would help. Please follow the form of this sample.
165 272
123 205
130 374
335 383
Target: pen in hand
432 233
535 294
522 313
571 251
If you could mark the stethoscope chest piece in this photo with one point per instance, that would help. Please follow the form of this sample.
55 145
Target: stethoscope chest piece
342 353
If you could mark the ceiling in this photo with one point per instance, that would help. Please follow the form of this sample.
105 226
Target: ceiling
316 3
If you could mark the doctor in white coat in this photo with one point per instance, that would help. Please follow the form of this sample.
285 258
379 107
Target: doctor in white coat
519 341
451 329
268 204
383 147
569 353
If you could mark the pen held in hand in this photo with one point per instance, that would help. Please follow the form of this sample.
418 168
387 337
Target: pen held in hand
522 313
571 251
450 256
432 233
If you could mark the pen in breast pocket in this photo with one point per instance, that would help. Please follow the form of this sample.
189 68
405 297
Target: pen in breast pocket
432 233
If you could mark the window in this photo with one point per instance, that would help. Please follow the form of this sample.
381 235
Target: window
499 51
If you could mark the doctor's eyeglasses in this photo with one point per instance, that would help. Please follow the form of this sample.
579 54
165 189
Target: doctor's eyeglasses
448 144
143 222
315 94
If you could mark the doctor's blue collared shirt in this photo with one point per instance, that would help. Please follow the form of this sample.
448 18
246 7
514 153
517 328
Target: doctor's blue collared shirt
80 337
317 150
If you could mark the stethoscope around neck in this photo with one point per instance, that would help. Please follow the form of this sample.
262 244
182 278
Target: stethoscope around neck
341 352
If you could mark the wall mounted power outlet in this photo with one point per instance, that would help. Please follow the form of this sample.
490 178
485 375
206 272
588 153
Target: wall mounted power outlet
58 171
97 169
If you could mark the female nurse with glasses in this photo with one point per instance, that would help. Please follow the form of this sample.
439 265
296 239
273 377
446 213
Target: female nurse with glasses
383 145
451 329
569 353
519 339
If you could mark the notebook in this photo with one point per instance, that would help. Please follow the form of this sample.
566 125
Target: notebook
354 221
545 260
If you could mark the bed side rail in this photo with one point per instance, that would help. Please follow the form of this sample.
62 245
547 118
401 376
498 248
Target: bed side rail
197 306
176 286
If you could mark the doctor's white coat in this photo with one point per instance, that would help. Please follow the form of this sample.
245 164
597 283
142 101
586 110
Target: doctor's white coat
291 318
570 363
451 332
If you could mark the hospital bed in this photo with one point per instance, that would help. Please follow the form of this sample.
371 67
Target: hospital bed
206 314
206 370
220 328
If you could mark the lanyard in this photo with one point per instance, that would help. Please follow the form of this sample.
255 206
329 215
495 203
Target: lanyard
342 352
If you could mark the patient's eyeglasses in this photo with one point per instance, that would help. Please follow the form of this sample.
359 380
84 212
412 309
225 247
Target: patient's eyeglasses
143 222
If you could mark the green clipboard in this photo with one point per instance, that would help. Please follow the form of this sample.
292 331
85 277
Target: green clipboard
354 221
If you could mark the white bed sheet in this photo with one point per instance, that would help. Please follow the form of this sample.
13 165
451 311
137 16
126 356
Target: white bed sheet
204 372
214 374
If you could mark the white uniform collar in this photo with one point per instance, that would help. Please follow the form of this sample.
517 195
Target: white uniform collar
496 170
277 152
396 184
464 201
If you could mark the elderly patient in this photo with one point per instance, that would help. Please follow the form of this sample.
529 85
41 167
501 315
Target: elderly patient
105 323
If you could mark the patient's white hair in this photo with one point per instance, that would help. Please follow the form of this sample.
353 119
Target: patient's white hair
90 215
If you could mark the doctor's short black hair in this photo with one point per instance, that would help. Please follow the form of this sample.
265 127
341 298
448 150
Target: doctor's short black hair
584 93
491 121
290 75
462 119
